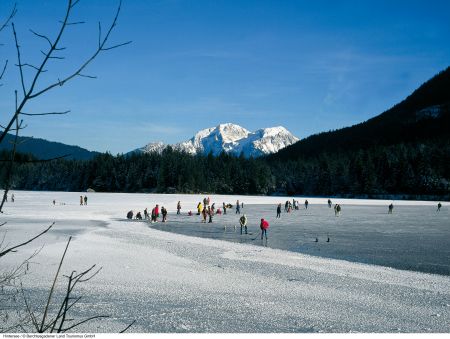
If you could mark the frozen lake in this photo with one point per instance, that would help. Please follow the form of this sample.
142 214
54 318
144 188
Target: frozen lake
170 282
412 238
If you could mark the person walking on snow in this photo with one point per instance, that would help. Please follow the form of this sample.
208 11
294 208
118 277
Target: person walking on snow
243 222
238 207
204 215
279 211
439 207
153 215
210 213
391 208
178 207
337 211
164 214
306 204
264 227
85 200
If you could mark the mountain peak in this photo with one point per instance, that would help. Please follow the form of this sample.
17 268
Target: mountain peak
232 139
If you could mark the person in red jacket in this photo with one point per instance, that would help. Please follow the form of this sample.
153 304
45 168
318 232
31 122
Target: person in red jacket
156 212
264 226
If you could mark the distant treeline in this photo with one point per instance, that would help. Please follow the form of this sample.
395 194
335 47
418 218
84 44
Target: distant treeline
405 169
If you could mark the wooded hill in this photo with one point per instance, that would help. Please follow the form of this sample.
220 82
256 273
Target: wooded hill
405 150
421 116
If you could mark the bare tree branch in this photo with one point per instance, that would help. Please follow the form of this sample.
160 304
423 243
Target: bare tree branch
116 46
11 163
31 93
20 62
74 23
74 3
30 312
100 48
13 129
84 321
126 328
13 249
4 69
16 272
11 15
53 287
99 34
53 57
46 113
31 66
87 76
2 27
41 36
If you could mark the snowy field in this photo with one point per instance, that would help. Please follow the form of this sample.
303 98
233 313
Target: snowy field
171 282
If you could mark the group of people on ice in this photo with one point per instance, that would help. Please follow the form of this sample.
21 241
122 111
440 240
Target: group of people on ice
264 226
288 207
205 209
208 210
153 216
83 200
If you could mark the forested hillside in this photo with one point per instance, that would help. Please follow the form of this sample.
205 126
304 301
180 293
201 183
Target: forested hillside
421 116
44 149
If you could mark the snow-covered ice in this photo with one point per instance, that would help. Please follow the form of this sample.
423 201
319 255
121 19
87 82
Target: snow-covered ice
171 282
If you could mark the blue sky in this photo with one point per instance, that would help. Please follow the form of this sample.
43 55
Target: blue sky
310 66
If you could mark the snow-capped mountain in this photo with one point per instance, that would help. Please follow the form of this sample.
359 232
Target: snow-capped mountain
153 147
232 139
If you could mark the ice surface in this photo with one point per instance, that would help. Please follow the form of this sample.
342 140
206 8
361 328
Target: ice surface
176 283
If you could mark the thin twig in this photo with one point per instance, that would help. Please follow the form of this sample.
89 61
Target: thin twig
46 113
41 36
126 328
13 129
11 15
84 321
32 66
53 286
30 312
22 81
13 249
4 69
74 23
9 173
